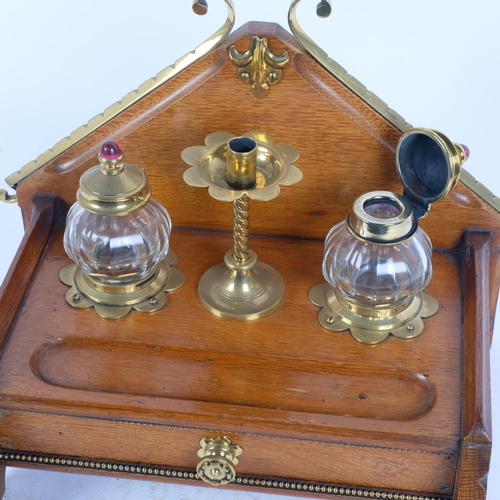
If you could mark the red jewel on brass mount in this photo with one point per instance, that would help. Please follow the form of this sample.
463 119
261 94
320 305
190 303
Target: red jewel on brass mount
110 150
378 262
118 237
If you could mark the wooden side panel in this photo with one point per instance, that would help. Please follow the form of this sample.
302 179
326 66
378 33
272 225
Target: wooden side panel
476 414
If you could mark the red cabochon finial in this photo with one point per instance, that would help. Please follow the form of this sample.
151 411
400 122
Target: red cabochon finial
466 151
110 150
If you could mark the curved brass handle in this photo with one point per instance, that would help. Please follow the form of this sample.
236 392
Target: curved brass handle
219 456
6 197
200 7
324 9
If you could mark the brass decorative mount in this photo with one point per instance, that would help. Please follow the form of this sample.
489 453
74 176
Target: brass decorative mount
258 66
219 457
115 303
241 287
370 327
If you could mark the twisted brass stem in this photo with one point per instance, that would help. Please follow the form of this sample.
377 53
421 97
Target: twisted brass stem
241 223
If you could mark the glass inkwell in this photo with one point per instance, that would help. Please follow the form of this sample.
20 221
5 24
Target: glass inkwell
118 237
378 262
239 169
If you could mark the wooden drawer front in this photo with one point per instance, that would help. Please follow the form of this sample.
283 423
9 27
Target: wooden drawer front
263 456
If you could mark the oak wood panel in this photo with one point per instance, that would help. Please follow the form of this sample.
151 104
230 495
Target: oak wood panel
340 138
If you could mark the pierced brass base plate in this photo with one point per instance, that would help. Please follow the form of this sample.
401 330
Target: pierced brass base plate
405 324
243 291
116 302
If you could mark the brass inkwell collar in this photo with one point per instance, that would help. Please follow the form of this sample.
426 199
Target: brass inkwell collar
382 217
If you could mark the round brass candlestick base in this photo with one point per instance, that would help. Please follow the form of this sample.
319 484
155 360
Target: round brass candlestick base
372 326
244 291
116 301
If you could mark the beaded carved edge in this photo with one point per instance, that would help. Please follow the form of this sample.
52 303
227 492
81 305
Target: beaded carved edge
174 473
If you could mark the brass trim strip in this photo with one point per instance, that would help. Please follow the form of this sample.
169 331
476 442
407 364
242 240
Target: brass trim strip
323 9
131 98
42 459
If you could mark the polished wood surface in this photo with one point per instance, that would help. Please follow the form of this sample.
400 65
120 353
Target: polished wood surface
304 403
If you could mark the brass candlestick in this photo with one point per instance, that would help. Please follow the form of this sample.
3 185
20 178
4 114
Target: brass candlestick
239 169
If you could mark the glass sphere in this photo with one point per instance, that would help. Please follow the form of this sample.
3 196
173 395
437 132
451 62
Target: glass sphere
118 249
374 275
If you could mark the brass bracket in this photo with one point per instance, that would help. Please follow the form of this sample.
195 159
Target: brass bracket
258 66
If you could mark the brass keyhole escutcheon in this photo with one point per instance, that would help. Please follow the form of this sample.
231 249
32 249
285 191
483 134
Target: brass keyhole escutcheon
219 456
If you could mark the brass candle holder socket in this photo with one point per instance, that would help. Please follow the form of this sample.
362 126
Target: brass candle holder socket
118 237
378 262
238 169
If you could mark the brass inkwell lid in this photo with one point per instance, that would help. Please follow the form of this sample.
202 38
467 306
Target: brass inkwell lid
113 187
429 166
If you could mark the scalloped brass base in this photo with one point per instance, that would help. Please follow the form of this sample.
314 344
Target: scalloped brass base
404 322
114 302
244 291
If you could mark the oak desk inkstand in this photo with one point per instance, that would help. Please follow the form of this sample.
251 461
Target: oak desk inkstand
279 405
